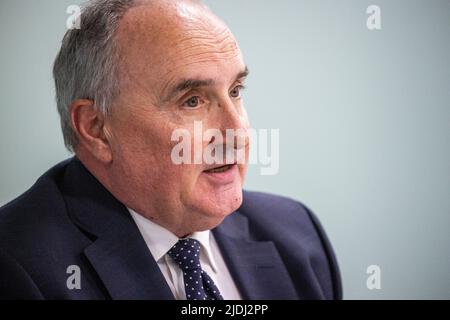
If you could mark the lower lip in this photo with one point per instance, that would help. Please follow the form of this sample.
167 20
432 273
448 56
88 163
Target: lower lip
223 177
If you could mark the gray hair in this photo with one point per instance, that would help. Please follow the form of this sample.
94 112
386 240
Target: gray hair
87 64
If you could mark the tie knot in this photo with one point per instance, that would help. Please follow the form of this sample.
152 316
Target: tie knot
186 253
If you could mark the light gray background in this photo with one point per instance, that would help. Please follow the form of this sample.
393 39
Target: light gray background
364 119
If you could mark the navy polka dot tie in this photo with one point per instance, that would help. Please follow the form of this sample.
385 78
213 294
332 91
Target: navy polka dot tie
197 284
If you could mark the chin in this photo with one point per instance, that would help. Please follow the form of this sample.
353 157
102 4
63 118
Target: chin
219 204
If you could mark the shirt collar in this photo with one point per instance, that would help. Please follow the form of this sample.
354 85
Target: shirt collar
204 237
159 240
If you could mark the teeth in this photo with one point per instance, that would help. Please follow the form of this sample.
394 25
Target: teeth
221 169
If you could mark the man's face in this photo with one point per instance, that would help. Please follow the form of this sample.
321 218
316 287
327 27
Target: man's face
178 66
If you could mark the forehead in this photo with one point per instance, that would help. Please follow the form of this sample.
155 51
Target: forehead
176 41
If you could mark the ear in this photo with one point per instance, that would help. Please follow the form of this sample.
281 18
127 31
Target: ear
89 126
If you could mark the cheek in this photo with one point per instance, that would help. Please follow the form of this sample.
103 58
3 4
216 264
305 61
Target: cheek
144 146
148 138
153 154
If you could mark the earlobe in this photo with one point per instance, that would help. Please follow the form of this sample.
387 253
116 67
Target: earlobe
89 126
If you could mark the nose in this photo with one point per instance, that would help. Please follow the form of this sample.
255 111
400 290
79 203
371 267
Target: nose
233 122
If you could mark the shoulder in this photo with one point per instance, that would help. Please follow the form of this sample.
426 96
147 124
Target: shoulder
31 229
297 233
30 217
277 210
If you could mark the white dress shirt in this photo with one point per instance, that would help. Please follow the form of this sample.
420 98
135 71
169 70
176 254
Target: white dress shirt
160 240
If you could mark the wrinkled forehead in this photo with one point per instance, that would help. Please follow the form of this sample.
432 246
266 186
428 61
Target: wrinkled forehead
175 39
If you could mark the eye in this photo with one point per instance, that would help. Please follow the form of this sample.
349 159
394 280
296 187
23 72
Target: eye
236 92
192 102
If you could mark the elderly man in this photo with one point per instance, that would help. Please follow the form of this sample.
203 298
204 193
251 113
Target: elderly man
121 220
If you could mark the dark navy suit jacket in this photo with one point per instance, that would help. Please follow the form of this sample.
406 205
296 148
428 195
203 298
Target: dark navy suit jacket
274 247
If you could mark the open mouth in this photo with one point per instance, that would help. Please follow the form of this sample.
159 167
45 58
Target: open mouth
220 169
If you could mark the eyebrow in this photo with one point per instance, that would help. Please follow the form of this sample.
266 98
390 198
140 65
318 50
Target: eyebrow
191 84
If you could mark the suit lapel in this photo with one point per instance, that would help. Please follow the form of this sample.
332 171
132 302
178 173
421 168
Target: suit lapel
118 254
256 266
125 265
